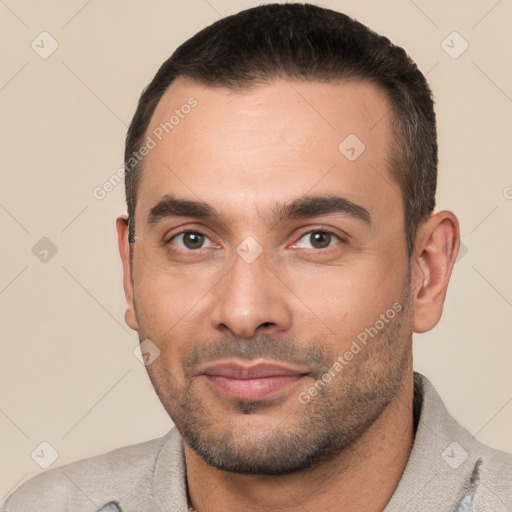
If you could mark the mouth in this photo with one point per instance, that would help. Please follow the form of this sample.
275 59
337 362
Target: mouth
249 380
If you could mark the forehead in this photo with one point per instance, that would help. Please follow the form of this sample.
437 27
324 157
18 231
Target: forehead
270 143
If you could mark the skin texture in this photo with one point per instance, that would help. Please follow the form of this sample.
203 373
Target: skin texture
297 303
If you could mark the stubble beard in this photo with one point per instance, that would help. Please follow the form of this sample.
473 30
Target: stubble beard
314 433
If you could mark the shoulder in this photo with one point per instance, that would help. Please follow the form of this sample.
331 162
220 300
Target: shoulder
88 484
479 474
492 479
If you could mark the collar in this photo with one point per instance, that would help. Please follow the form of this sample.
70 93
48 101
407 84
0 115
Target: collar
440 475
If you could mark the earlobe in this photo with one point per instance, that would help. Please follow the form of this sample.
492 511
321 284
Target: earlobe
437 245
124 251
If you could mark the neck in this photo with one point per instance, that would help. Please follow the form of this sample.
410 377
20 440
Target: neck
361 478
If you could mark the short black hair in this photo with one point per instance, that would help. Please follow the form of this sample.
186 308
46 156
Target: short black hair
305 42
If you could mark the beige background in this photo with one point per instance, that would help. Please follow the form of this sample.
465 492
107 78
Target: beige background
68 373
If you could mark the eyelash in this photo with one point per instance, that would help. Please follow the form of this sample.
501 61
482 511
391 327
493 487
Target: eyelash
197 251
324 231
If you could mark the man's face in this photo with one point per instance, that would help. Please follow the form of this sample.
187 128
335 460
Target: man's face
248 328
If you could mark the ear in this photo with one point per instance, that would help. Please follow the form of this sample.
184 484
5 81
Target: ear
130 315
437 245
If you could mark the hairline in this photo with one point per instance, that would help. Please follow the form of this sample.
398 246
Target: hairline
394 158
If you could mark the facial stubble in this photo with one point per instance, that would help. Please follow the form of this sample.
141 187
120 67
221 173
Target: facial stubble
312 433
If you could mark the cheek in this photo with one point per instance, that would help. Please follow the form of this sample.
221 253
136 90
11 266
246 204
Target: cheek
345 299
167 299
167 382
162 318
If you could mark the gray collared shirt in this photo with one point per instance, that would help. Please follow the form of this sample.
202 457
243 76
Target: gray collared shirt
448 471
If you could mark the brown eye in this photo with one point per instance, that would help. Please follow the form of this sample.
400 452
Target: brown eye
317 240
189 240
320 239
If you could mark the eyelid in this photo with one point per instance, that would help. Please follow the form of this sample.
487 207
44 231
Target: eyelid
195 231
201 230
318 230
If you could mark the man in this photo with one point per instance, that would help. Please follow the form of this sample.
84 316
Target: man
279 251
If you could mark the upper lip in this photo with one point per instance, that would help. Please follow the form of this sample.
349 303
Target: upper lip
237 369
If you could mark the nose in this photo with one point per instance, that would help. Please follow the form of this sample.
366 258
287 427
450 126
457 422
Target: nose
250 297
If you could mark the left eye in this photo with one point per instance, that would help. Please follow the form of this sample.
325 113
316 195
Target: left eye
190 240
317 240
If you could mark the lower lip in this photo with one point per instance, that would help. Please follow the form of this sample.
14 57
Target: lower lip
252 389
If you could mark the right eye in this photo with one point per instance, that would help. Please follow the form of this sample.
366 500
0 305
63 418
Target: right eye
189 240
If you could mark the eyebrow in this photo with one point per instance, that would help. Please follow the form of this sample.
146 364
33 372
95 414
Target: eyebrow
300 208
